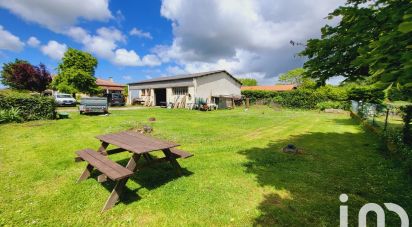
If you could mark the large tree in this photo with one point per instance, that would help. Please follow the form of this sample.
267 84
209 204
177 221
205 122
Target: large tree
248 81
21 75
371 42
297 77
76 73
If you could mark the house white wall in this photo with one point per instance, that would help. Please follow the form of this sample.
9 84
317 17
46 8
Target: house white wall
216 85
173 98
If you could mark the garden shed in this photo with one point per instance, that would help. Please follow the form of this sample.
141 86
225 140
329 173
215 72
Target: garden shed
218 88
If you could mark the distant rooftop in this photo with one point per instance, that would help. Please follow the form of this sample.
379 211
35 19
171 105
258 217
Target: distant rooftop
109 85
184 76
285 87
109 82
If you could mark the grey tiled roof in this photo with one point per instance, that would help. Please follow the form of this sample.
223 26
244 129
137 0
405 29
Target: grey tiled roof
179 77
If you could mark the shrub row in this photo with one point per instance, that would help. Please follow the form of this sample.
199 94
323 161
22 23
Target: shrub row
302 98
25 107
398 142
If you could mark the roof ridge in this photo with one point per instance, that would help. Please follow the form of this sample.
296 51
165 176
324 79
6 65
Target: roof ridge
183 76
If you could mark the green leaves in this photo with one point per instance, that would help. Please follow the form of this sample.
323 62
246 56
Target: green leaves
406 26
370 43
76 73
248 81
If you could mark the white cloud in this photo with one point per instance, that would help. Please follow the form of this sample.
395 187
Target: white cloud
33 42
105 44
111 34
9 41
242 36
54 50
139 33
59 15
151 60
126 58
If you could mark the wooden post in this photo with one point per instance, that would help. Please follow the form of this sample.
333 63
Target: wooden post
386 120
247 103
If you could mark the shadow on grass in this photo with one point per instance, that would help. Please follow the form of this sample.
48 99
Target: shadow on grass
306 186
151 177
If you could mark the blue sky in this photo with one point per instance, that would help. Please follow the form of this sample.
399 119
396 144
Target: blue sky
135 40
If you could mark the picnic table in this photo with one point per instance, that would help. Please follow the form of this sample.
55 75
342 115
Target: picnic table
138 145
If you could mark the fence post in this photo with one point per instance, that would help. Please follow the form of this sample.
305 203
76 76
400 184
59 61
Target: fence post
386 120
247 103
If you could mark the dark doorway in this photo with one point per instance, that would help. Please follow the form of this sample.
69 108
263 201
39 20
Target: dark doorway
160 96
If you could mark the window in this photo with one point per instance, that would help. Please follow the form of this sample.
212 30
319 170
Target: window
64 96
145 92
179 90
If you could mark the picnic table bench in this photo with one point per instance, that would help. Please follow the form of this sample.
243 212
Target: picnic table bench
136 143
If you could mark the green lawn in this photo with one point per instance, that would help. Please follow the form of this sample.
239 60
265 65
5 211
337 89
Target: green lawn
238 175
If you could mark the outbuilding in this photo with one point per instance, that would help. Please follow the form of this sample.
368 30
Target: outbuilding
218 88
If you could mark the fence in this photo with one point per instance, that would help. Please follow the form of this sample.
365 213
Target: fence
384 117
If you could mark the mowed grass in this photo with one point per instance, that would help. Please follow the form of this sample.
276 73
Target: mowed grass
238 176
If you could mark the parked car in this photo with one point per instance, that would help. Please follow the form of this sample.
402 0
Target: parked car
116 99
93 105
64 99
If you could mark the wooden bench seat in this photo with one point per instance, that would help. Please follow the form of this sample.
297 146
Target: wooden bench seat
106 166
180 154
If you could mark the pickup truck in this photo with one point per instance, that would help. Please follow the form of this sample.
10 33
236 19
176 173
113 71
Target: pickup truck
93 105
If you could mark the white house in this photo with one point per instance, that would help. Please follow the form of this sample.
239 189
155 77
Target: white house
215 87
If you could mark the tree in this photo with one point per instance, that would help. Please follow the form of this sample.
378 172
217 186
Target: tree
76 73
294 76
21 75
371 42
297 77
248 81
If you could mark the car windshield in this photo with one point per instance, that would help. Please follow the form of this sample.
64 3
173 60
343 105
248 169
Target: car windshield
64 96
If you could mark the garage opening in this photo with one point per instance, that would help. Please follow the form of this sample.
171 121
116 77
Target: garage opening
160 96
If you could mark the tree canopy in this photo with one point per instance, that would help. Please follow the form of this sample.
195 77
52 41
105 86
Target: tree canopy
372 42
248 81
21 75
297 77
76 73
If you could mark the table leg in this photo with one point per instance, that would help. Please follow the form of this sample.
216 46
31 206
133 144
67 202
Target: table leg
102 148
172 160
114 196
117 191
132 164
86 173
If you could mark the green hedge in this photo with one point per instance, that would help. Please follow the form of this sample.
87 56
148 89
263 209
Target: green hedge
29 107
299 98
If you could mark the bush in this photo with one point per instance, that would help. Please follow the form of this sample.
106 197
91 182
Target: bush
299 98
333 105
407 119
10 115
28 106
401 150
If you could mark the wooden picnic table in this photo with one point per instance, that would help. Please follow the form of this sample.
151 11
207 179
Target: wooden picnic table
136 143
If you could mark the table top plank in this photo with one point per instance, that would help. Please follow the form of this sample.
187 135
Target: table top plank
136 142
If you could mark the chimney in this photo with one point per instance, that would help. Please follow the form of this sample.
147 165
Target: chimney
111 79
